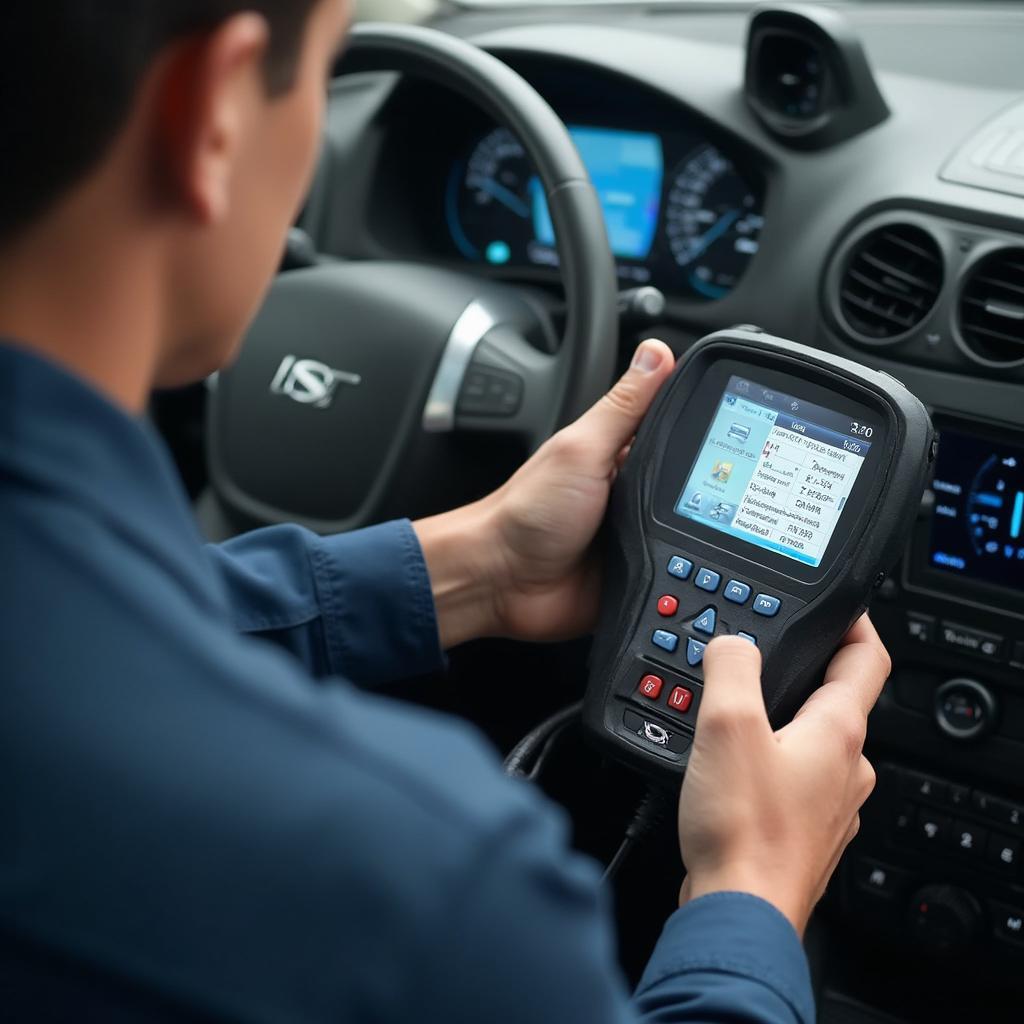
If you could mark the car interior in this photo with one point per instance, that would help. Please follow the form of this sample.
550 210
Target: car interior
849 176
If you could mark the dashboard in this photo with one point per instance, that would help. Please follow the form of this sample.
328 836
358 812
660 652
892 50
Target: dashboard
896 240
678 212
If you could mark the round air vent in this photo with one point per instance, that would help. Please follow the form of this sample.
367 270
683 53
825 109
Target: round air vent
890 282
991 313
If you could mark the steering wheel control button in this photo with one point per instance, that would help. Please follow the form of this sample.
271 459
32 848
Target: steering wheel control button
748 637
667 605
932 829
973 641
766 605
694 651
487 391
964 709
650 687
705 622
680 567
680 699
707 580
736 592
665 640
655 734
1003 853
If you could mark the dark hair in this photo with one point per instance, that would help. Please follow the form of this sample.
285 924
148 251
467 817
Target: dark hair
69 70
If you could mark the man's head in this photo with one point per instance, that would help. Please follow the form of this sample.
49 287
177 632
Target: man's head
188 126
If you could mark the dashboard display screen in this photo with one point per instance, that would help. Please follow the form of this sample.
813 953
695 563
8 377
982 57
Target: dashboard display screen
775 470
977 528
626 169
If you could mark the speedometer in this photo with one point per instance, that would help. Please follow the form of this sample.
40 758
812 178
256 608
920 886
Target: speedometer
712 222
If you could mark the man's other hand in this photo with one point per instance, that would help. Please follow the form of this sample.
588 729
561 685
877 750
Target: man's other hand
770 813
521 563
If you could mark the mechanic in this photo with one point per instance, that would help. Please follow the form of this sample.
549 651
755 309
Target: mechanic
204 818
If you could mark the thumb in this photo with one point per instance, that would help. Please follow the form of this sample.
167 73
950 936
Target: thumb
732 703
613 420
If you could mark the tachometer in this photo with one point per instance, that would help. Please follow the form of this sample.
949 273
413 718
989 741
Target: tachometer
712 222
490 199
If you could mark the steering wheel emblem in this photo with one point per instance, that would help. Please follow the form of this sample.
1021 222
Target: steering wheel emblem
309 381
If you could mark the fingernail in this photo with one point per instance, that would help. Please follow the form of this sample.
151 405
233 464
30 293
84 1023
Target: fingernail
646 358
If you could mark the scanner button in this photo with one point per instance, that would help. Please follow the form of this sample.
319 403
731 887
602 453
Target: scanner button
667 605
707 580
747 636
765 604
680 699
705 622
650 687
665 640
680 567
736 592
694 651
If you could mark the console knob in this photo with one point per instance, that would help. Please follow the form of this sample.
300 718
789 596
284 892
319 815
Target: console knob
964 709
944 918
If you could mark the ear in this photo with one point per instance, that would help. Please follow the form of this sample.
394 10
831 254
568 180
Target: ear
209 93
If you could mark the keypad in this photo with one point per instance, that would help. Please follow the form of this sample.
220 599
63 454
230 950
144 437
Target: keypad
650 686
680 567
665 640
705 622
766 605
747 636
694 651
707 579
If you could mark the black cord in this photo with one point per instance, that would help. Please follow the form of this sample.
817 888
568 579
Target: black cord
527 757
650 813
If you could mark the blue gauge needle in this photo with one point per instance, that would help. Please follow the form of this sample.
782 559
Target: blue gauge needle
503 195
713 233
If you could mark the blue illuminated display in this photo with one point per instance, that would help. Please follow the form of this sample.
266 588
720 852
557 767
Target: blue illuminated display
775 471
626 169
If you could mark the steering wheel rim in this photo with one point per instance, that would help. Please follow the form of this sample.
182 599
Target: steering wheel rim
261 488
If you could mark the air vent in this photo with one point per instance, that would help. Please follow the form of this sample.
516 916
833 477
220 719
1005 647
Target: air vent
992 309
891 281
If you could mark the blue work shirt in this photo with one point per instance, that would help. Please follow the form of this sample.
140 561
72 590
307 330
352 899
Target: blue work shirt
202 813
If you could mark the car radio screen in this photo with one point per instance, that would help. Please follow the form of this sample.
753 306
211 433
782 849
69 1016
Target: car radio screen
775 470
978 519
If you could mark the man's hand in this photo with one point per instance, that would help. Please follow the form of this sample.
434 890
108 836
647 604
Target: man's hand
770 813
520 562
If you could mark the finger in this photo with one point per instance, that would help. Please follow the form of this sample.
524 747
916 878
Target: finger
610 424
732 703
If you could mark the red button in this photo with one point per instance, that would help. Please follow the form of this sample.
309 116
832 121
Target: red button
680 699
667 605
650 686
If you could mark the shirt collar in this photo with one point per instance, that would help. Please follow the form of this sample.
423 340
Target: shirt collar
60 436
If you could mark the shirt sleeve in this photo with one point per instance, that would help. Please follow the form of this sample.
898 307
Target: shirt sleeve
356 604
532 939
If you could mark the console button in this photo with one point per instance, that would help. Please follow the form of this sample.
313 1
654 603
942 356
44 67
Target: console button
680 699
665 640
880 879
736 592
705 622
920 627
964 709
1001 811
765 604
1003 852
747 636
707 580
974 641
650 686
680 567
1008 923
958 796
694 651
969 839
925 787
904 823
667 605
932 828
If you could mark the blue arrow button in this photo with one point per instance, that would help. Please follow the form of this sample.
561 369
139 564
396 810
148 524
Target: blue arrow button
694 651
705 622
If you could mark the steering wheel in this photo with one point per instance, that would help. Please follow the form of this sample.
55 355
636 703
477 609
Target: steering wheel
358 380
